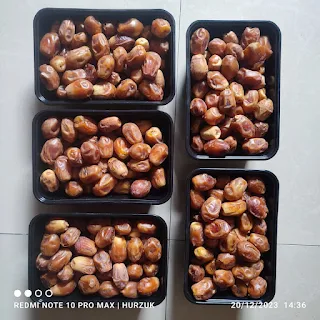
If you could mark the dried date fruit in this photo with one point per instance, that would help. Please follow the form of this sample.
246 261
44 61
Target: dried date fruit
196 273
257 287
216 147
196 234
210 209
199 41
234 189
234 208
255 146
217 229
260 242
248 251
203 182
149 285
135 249
108 289
118 251
69 237
204 289
140 188
104 237
132 28
217 81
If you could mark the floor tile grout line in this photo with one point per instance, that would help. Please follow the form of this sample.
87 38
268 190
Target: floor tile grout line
13 234
174 133
175 106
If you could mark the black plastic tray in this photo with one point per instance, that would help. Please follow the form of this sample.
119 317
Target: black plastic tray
216 29
270 257
158 118
43 21
37 229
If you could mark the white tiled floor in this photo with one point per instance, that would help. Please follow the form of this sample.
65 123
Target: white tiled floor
295 164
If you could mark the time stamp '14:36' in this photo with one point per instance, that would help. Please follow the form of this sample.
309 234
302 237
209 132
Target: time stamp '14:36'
267 305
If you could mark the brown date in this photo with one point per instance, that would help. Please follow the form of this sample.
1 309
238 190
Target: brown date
146 227
109 124
216 148
79 39
260 242
85 125
217 229
158 178
90 174
104 186
139 151
234 189
104 237
121 41
223 278
136 57
261 129
257 287
135 271
149 285
214 63
248 251
58 63
150 269
95 225
199 41
259 226
121 148
85 246
69 237
229 67
105 66
118 251
153 249
42 262
92 25
239 289
160 28
249 35
66 32
77 58
120 57
114 79
197 144
255 146
227 102
132 28
225 261
68 131
234 208
256 185
62 169
117 168
59 260
50 244
196 273
79 89
200 89
105 146
160 46
108 289
126 89
251 79
99 45
203 254
210 209
198 67
49 279
203 182
217 46
50 128
151 90
216 80
158 154
49 180
153 135
102 261
196 234
144 43
50 44
213 116
130 290
84 265
230 37
216 193
90 152
250 101
245 222
151 65
63 288
49 77
263 109
204 289
135 249
235 50
88 284
122 227
198 107
109 29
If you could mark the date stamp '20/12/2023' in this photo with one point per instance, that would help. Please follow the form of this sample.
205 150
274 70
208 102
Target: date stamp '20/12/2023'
269 305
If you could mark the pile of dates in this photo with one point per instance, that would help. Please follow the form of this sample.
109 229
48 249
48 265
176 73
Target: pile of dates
228 236
100 256
105 60
86 157
230 103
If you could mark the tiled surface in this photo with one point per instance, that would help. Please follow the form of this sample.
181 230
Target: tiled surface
296 282
295 164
